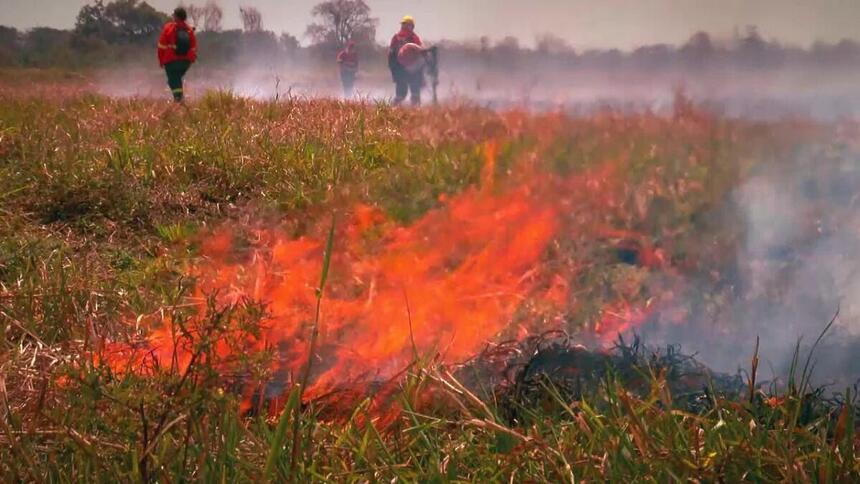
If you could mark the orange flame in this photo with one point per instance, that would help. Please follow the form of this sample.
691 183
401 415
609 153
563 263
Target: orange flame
462 271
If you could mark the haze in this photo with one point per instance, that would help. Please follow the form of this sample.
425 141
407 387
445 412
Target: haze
622 24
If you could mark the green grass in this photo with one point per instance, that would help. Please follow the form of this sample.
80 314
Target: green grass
101 201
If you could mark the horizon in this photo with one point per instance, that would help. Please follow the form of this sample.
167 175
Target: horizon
616 24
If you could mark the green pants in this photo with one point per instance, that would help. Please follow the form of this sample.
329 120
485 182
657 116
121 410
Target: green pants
175 72
406 82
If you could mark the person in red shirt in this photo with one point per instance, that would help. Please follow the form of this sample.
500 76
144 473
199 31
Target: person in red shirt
177 50
406 81
347 60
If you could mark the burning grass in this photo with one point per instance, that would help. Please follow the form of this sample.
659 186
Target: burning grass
160 273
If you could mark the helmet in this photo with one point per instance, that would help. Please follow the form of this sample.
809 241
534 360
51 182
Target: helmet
408 20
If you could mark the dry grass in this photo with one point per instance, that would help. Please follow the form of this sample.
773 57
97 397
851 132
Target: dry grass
102 201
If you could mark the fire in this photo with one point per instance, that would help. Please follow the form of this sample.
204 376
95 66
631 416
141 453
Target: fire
445 285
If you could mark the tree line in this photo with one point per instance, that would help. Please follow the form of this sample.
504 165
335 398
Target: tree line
115 31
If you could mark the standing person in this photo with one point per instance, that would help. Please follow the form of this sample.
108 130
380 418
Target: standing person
405 80
347 60
177 50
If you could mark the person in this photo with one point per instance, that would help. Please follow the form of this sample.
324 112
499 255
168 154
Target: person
177 50
406 81
347 60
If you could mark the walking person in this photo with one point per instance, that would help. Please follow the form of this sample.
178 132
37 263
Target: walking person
177 50
347 61
405 60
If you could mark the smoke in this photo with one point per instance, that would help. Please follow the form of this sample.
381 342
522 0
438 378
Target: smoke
797 264
541 81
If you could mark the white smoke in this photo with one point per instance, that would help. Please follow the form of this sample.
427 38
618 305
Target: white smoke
798 264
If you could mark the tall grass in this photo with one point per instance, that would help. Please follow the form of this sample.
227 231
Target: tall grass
101 201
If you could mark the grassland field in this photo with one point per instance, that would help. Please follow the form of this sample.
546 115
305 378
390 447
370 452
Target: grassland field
105 204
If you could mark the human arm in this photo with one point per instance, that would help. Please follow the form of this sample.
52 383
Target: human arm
164 43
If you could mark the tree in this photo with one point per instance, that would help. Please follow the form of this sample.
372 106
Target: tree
509 45
10 40
652 57
551 44
121 21
698 51
339 21
289 43
92 22
754 51
252 20
206 17
135 20
195 13
212 16
44 46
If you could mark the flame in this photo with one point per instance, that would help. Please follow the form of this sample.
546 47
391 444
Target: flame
446 285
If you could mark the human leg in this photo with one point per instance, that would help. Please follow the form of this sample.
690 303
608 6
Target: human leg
175 73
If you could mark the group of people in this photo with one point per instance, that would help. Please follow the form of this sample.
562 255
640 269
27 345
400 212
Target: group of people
177 50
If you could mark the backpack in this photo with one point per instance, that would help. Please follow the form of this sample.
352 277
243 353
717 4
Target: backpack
183 41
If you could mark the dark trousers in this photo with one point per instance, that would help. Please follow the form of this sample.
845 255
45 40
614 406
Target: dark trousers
347 78
175 72
408 83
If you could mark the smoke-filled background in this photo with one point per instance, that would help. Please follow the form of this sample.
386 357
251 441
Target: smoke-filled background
797 264
769 58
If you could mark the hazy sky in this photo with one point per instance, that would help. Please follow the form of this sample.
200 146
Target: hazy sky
585 23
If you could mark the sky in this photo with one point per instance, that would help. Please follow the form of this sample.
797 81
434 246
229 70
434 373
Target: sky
623 24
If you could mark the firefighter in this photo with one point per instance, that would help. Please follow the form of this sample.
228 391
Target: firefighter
347 61
177 50
407 79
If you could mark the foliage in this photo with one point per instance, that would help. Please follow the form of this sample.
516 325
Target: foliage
252 20
206 17
120 21
340 21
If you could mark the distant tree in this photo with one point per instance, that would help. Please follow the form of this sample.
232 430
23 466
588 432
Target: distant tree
135 20
845 53
92 21
751 46
506 54
9 36
508 45
10 40
484 42
289 42
195 14
698 46
656 56
551 44
43 46
206 17
252 20
602 59
121 21
339 21
221 47
212 16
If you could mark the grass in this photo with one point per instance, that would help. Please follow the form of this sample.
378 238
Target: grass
102 202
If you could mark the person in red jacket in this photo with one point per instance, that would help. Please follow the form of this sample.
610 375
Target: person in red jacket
405 80
177 50
347 60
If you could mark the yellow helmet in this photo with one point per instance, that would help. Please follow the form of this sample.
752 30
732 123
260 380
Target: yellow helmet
408 20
